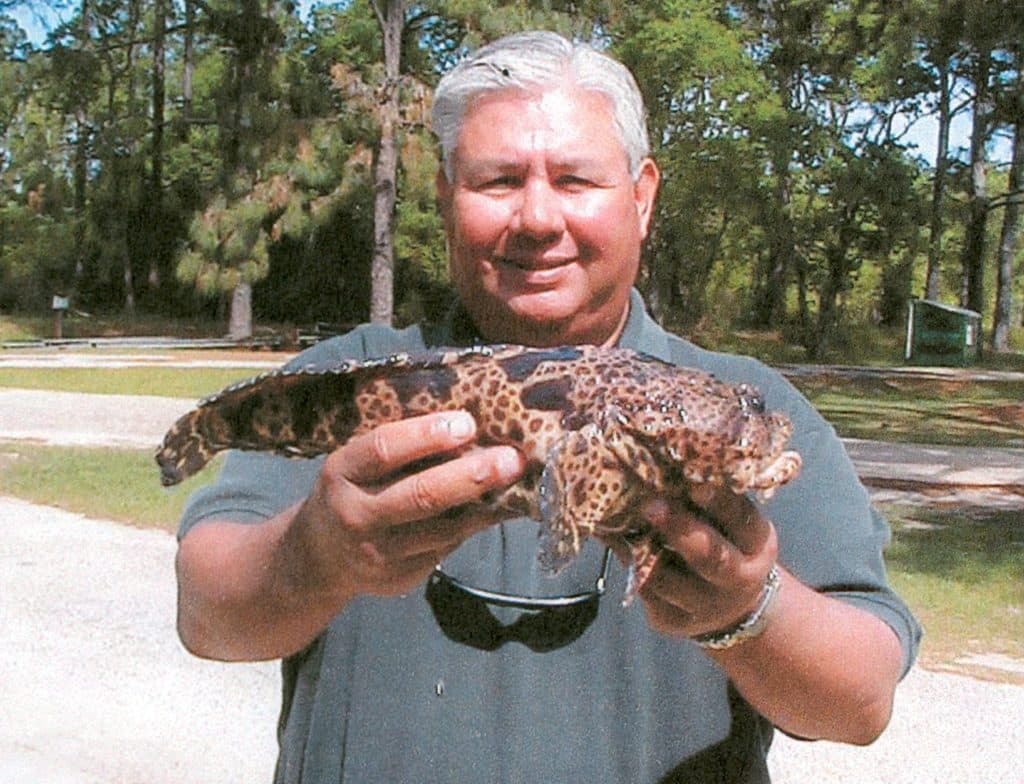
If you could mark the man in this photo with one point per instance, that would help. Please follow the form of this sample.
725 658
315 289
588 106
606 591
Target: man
397 672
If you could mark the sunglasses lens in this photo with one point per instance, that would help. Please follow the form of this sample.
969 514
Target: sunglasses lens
465 618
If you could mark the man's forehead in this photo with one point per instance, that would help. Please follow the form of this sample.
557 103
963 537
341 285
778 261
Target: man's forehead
550 98
572 160
570 125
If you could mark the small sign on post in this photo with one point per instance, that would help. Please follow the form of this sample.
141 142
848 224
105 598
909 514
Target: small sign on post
60 306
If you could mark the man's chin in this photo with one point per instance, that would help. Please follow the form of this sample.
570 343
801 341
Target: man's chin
551 307
508 323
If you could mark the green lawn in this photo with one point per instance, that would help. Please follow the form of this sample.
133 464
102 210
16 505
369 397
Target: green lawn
948 412
962 571
80 479
165 381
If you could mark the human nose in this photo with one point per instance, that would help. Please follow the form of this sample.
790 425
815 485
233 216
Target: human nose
540 212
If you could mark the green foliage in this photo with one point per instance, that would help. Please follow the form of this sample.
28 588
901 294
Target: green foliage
789 199
37 251
190 383
962 572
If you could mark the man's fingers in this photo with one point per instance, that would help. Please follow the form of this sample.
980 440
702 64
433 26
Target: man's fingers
454 482
436 537
738 517
392 446
711 550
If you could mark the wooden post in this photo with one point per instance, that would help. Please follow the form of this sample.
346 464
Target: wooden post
59 306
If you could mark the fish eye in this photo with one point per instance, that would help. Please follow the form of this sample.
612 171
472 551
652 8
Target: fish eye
752 402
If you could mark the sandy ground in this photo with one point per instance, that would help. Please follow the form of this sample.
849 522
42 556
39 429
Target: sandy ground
96 688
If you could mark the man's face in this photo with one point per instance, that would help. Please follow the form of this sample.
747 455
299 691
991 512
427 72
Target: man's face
544 221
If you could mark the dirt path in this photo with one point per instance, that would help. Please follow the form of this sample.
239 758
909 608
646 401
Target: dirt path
75 419
96 688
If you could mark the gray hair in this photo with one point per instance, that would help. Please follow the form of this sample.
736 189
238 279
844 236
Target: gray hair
536 60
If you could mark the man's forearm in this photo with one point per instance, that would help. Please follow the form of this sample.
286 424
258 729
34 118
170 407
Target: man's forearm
245 592
822 669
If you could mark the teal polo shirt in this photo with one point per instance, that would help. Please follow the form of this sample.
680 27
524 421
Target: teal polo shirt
387 693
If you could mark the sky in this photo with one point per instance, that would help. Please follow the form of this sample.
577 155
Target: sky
40 18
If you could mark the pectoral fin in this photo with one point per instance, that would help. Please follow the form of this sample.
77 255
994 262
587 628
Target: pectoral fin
581 486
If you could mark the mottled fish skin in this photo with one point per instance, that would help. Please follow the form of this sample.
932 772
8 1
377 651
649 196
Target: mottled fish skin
598 426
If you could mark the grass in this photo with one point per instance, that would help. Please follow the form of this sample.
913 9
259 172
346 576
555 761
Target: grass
874 346
166 381
20 326
80 480
948 412
962 572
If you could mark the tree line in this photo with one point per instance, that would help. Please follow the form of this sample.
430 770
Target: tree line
241 159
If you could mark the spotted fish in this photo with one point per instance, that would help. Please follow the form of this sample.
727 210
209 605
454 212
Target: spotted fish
599 427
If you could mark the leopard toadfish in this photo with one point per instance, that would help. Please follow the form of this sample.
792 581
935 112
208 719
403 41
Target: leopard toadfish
599 428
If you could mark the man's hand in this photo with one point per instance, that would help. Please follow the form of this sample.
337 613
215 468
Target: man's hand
713 573
383 512
797 673
380 521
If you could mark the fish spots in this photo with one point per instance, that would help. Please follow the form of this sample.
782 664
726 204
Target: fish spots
598 427
434 383
515 431
549 395
521 366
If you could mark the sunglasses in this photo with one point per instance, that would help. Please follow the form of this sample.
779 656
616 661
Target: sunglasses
463 613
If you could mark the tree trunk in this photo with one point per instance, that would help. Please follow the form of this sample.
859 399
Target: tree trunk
770 305
156 172
972 260
937 225
187 68
391 20
81 164
240 320
824 335
129 287
1002 319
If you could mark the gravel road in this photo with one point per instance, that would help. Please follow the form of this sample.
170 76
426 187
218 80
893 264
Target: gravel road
97 690
94 685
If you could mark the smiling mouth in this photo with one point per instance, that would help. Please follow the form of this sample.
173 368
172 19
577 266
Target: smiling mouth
535 265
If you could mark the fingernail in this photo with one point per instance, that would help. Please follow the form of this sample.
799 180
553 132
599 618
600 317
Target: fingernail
460 426
509 464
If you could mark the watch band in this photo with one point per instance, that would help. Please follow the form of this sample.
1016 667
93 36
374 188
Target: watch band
749 627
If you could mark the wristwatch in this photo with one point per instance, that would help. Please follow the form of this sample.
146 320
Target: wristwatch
749 627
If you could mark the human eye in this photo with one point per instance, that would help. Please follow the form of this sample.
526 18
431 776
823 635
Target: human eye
501 182
574 182
492 176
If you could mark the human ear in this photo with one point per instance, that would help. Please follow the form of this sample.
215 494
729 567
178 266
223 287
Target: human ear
645 190
444 194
